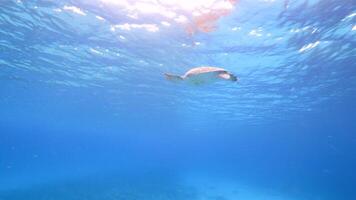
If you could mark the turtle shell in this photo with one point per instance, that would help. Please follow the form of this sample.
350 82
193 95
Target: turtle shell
202 70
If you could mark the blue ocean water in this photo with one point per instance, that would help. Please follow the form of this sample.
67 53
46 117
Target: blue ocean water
86 113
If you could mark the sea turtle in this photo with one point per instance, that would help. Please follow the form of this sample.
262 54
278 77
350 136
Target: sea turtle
200 75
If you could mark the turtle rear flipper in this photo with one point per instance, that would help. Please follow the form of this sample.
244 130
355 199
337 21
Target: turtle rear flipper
172 77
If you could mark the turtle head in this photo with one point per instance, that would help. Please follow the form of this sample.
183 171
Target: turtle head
233 78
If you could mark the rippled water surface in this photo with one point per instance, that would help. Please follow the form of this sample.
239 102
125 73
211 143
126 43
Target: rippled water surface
86 112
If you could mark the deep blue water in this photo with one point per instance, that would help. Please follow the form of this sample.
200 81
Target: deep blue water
86 113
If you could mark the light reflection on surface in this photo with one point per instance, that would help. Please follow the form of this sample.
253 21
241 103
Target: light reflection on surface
199 15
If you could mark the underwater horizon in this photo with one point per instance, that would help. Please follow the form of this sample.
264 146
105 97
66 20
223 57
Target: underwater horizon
86 112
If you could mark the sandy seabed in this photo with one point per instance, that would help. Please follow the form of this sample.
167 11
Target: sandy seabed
145 188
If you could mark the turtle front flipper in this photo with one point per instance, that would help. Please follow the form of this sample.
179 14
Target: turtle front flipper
227 76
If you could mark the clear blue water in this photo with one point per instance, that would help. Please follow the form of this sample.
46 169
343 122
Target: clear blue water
85 111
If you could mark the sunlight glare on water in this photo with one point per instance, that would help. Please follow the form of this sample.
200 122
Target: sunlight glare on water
163 5
173 11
